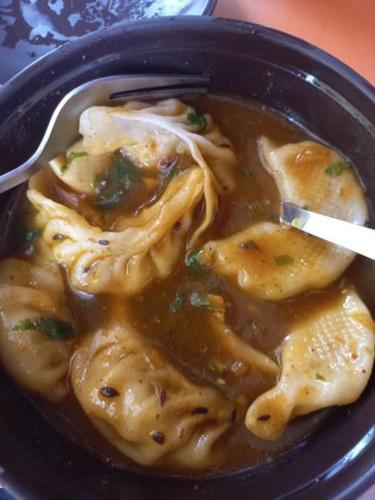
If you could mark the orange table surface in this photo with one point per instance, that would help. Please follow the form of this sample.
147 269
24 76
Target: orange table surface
344 28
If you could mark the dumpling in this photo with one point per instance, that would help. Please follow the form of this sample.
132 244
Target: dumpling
145 407
78 169
273 262
326 360
149 134
146 246
310 174
35 326
232 346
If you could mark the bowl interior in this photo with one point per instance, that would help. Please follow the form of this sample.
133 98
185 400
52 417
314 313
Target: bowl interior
242 60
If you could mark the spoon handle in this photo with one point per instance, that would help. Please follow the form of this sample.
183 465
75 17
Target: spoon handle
357 238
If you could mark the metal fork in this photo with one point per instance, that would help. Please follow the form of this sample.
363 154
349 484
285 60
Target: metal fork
353 237
62 129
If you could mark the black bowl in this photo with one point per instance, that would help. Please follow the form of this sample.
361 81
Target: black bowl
296 79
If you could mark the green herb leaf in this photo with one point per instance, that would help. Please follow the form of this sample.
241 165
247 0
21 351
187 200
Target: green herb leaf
200 301
283 260
176 303
30 235
318 376
54 327
73 155
25 324
337 168
28 238
305 207
123 170
197 118
112 186
192 261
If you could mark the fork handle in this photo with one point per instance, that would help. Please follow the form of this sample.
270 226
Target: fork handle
19 175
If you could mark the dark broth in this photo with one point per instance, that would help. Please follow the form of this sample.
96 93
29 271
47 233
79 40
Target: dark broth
184 336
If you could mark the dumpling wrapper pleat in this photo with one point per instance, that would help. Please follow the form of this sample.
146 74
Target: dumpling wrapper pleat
326 361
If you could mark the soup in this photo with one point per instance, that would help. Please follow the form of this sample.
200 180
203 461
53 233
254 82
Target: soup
155 306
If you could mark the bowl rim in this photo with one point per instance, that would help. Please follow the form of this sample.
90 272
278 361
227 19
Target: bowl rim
360 472
281 37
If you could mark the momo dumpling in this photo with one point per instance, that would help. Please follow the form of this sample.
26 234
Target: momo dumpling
231 346
145 247
78 169
146 408
326 361
149 135
35 326
310 174
273 262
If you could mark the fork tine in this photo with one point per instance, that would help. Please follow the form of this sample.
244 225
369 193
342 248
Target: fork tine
162 80
164 86
137 82
157 93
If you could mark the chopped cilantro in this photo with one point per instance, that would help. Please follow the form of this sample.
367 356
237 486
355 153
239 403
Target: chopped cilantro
176 303
200 301
197 118
54 327
30 235
112 186
337 168
28 239
73 155
192 261
283 260
25 324
318 376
